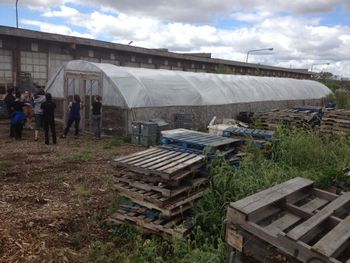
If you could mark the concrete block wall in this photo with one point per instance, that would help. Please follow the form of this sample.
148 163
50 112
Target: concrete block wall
118 121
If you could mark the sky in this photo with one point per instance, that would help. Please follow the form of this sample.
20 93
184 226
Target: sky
303 33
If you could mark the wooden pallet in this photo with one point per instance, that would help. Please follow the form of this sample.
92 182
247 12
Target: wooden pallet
293 117
336 122
132 180
167 164
167 227
168 206
302 221
188 139
245 132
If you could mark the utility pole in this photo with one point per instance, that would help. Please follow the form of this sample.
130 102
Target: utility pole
17 13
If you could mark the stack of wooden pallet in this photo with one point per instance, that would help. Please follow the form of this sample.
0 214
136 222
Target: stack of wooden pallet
159 187
291 222
336 122
289 117
260 137
199 142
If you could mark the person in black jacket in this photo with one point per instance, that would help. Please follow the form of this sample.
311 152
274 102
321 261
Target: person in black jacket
96 116
9 99
48 108
18 117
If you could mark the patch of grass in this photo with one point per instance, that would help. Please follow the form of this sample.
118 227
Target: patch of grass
4 164
114 205
82 192
113 143
60 178
85 154
68 157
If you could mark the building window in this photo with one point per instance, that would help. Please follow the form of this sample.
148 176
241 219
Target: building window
166 62
179 64
35 47
150 61
91 53
112 56
133 58
192 65
203 66
0 43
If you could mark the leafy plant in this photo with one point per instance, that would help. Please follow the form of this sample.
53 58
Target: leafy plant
113 143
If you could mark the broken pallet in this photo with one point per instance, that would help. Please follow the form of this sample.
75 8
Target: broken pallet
167 164
301 221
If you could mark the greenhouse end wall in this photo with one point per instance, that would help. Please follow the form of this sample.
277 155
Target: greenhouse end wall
118 121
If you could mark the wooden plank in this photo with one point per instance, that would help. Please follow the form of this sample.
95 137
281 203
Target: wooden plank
166 162
299 231
282 223
329 244
314 204
271 195
135 154
141 157
324 194
149 160
160 160
172 164
183 165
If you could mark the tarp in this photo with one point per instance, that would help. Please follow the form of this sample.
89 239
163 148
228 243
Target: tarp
128 87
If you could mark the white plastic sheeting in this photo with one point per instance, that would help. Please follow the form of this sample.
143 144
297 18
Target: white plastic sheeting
138 87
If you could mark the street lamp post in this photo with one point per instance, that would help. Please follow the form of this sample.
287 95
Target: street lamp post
255 50
312 66
17 13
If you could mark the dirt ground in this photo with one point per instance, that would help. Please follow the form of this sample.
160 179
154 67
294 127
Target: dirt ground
53 199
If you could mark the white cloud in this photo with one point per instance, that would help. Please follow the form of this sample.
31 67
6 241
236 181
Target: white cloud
64 11
197 10
298 42
55 29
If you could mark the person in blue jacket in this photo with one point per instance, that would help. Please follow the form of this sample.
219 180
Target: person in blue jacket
74 116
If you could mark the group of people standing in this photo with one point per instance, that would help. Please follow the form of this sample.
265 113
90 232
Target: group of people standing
20 106
20 109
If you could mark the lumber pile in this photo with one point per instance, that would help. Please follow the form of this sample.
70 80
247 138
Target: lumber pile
291 222
159 187
288 117
336 122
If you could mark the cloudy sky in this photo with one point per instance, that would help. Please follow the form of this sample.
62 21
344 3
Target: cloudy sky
302 32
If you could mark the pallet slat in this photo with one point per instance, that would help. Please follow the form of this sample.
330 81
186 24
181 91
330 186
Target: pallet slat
271 195
334 239
318 218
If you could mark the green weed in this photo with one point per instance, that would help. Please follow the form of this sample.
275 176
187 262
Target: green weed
113 143
295 153
82 192
5 164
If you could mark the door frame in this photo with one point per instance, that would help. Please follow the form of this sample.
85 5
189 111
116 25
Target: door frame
82 76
